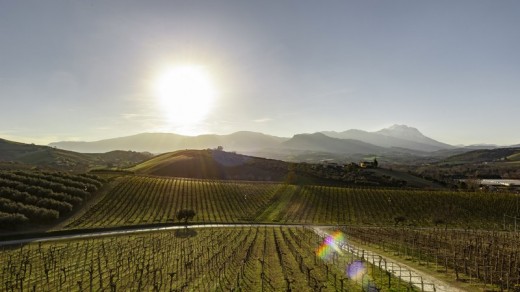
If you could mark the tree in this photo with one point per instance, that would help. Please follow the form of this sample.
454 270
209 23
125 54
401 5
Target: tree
185 214
399 219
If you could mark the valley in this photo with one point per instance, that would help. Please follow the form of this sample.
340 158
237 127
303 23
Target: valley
376 210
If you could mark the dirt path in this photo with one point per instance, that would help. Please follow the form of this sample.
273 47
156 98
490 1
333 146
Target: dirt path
420 280
101 232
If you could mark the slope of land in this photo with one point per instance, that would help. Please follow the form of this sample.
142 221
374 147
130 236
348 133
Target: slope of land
16 155
396 142
321 142
213 164
288 251
41 197
145 200
167 142
396 136
399 136
216 164
499 163
485 155
420 280
251 258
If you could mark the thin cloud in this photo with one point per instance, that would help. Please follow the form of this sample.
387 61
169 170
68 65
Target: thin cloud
262 120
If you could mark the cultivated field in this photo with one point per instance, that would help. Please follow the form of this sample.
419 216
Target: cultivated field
243 259
442 231
41 197
147 200
488 257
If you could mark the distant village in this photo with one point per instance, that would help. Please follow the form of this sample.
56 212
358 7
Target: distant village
351 165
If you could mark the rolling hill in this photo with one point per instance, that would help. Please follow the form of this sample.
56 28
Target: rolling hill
322 143
398 144
221 165
486 155
167 142
17 155
213 164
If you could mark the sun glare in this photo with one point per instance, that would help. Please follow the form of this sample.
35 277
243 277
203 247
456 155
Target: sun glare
185 95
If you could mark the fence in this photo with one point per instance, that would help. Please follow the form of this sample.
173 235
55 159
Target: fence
406 274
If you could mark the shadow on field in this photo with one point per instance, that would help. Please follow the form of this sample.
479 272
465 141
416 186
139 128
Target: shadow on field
185 233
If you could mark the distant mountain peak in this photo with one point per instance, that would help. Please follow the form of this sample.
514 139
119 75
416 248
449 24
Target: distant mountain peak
401 129
397 127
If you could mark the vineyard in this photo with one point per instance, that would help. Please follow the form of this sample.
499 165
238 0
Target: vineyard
147 200
487 257
40 197
223 259
249 258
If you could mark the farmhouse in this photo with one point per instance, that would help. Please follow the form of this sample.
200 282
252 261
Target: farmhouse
368 164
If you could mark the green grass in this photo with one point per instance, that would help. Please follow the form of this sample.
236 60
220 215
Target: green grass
278 204
411 180
153 162
514 157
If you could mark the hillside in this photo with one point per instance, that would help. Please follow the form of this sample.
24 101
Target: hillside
221 165
213 164
41 197
322 143
486 155
43 156
20 155
395 136
235 201
167 142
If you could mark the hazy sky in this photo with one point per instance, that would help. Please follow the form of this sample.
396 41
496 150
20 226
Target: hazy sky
82 70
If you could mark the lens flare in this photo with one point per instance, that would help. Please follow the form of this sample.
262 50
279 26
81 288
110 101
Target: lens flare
331 244
356 270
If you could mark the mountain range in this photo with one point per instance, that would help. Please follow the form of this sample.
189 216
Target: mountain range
397 144
167 142
395 138
400 136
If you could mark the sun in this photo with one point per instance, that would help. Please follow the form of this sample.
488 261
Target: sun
185 94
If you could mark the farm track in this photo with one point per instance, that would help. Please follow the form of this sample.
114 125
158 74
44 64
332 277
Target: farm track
420 280
79 234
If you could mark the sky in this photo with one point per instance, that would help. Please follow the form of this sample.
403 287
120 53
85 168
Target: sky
86 70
